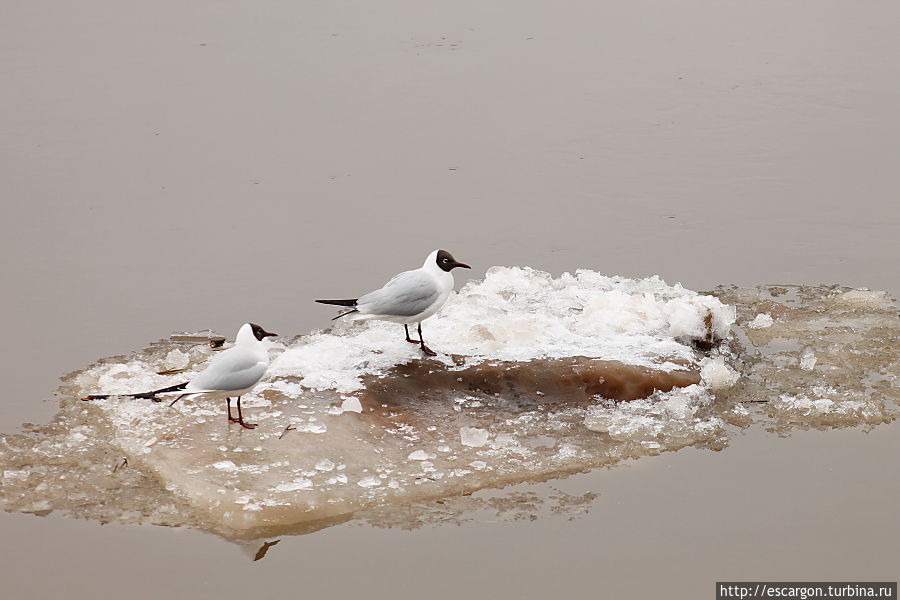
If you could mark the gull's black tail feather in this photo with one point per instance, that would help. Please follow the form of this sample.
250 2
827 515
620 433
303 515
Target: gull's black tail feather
350 302
142 395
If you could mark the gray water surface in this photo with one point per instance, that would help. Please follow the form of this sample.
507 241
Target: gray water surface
175 167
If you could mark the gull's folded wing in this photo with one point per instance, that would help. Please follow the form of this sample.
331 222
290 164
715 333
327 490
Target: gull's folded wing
406 295
235 369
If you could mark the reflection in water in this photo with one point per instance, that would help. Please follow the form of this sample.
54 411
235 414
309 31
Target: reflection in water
489 505
407 442
261 552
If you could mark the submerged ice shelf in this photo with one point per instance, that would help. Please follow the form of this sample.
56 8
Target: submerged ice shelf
542 377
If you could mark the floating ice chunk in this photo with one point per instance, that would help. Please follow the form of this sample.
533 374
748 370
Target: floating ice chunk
324 465
808 360
299 484
806 406
473 437
761 321
549 332
419 455
568 451
694 316
825 405
13 475
865 297
673 418
351 405
505 439
289 389
76 437
716 375
176 360
307 425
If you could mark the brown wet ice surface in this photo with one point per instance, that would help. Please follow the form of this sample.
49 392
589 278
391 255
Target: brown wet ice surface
574 380
403 462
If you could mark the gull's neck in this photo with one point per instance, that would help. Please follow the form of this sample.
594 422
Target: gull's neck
431 262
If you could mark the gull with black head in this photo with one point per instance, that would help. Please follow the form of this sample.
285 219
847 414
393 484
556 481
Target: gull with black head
232 373
410 297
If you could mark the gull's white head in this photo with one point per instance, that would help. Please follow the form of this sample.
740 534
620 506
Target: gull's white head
443 260
251 333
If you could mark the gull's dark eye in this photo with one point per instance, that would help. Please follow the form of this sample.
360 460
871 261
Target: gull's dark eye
446 260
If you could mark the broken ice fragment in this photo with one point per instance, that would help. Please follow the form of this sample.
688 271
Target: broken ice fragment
300 484
472 436
808 360
324 465
175 360
351 405
865 297
761 321
716 375
418 455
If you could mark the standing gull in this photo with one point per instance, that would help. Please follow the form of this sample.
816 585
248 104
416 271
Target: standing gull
410 297
230 374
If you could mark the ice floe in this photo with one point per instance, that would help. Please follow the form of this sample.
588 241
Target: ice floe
539 377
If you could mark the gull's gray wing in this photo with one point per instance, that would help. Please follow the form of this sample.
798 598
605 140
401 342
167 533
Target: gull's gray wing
235 369
406 295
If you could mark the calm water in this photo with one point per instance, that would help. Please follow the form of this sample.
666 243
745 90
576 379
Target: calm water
169 167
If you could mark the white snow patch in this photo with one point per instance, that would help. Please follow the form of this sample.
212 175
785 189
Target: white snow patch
519 314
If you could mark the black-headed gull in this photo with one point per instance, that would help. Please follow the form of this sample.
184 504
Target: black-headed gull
232 373
410 297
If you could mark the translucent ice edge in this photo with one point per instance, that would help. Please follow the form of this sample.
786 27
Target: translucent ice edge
314 461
